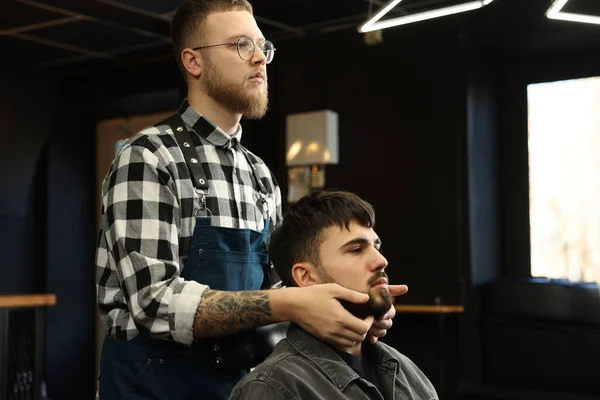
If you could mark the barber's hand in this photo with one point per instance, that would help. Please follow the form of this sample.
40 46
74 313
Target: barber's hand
318 311
380 326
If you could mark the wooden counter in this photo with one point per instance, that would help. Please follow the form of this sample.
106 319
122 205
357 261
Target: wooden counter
429 309
27 300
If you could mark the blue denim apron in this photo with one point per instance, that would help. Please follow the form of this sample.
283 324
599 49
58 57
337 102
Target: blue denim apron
148 369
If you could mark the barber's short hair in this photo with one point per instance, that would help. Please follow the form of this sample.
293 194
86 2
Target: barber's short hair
187 25
299 236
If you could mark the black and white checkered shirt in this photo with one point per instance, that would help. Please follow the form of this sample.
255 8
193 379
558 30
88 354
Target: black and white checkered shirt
147 223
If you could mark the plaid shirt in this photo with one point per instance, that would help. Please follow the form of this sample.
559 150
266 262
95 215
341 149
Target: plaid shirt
147 224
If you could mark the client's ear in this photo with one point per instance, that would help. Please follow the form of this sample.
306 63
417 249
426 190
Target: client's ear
305 274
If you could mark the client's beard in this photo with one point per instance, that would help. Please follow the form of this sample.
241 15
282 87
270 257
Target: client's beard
379 303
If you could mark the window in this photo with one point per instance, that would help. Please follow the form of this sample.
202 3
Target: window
564 179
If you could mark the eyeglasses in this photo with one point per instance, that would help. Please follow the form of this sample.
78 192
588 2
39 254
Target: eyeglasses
246 47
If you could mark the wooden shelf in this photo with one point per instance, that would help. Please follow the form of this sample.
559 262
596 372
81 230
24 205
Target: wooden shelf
27 300
429 309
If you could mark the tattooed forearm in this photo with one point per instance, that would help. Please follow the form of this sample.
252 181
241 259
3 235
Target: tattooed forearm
223 313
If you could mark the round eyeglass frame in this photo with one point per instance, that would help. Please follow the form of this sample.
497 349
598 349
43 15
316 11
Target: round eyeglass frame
254 46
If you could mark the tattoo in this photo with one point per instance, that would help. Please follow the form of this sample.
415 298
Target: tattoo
223 313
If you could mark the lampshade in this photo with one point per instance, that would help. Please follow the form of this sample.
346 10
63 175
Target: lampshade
312 138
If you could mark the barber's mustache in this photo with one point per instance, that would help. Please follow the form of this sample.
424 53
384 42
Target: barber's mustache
378 275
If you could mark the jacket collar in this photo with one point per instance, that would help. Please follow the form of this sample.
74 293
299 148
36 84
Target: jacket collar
330 363
206 129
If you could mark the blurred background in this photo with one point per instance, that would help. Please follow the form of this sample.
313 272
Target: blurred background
473 127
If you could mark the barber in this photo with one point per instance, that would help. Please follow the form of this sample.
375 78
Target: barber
183 278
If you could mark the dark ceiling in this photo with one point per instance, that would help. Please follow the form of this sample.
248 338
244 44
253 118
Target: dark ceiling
67 35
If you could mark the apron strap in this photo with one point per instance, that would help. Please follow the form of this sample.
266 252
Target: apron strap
262 189
260 185
189 152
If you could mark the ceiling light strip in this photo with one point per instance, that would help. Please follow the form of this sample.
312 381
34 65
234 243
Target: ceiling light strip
555 12
384 10
422 16
555 8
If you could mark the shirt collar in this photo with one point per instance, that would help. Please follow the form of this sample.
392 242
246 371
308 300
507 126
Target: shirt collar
330 362
206 129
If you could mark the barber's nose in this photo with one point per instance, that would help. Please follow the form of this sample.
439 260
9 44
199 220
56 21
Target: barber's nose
259 57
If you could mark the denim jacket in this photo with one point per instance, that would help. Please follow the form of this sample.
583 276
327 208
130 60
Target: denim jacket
303 367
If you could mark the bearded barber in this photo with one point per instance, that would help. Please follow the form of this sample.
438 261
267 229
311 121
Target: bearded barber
186 213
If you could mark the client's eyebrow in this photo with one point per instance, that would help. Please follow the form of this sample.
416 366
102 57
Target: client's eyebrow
361 241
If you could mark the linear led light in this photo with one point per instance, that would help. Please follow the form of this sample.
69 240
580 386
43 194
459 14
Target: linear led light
374 23
554 12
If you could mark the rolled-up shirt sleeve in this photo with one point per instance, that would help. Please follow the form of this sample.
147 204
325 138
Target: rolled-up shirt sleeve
140 288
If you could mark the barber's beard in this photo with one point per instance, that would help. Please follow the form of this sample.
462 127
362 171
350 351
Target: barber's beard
379 303
235 96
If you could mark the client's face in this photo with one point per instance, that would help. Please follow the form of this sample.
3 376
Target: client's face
352 259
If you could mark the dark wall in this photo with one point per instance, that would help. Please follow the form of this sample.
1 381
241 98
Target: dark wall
484 207
47 218
27 118
70 240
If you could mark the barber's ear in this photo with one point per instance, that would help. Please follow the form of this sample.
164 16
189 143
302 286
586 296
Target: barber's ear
305 274
192 62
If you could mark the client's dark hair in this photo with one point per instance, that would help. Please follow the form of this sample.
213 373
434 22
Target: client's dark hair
298 237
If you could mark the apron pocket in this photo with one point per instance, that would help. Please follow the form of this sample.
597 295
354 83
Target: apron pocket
229 270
